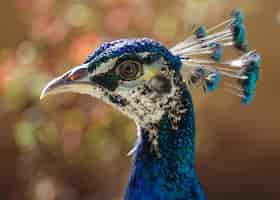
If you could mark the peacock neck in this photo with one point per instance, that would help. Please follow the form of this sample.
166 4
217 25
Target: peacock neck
168 174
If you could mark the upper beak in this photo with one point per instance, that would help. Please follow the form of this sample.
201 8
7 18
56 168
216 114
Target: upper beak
74 80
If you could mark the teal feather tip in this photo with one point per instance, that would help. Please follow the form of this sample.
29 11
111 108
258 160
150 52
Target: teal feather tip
238 15
251 71
212 81
209 80
239 75
249 86
218 51
253 65
200 32
239 31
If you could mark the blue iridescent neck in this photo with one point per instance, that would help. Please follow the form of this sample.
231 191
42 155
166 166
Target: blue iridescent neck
171 175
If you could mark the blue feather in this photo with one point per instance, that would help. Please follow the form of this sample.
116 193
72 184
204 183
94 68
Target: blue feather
218 51
200 32
238 15
172 175
213 81
251 70
239 32
117 48
164 158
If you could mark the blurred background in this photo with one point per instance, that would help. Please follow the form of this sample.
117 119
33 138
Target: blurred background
73 147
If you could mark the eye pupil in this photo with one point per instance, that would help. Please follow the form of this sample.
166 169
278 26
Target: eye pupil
129 69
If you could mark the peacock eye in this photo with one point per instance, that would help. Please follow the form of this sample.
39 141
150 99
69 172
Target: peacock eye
129 70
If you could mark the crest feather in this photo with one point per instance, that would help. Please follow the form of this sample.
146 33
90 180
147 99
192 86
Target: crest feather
202 54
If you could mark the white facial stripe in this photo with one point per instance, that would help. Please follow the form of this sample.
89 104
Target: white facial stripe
105 67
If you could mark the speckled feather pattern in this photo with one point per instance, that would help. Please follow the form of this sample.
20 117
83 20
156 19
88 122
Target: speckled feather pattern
172 175
163 165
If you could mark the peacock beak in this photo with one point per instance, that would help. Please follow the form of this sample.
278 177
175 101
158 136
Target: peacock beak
75 80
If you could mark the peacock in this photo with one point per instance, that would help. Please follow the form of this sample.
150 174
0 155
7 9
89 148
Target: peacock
151 84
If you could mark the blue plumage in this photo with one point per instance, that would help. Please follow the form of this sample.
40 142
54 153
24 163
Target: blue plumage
110 50
238 16
239 33
200 32
252 72
218 51
142 78
172 175
213 81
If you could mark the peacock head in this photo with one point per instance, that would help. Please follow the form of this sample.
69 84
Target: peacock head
140 76
135 76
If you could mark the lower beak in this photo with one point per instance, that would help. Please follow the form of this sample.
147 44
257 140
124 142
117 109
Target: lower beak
75 80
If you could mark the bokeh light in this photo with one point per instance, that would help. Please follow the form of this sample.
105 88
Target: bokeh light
74 147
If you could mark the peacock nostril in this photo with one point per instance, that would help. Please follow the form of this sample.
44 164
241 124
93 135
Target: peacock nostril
78 74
